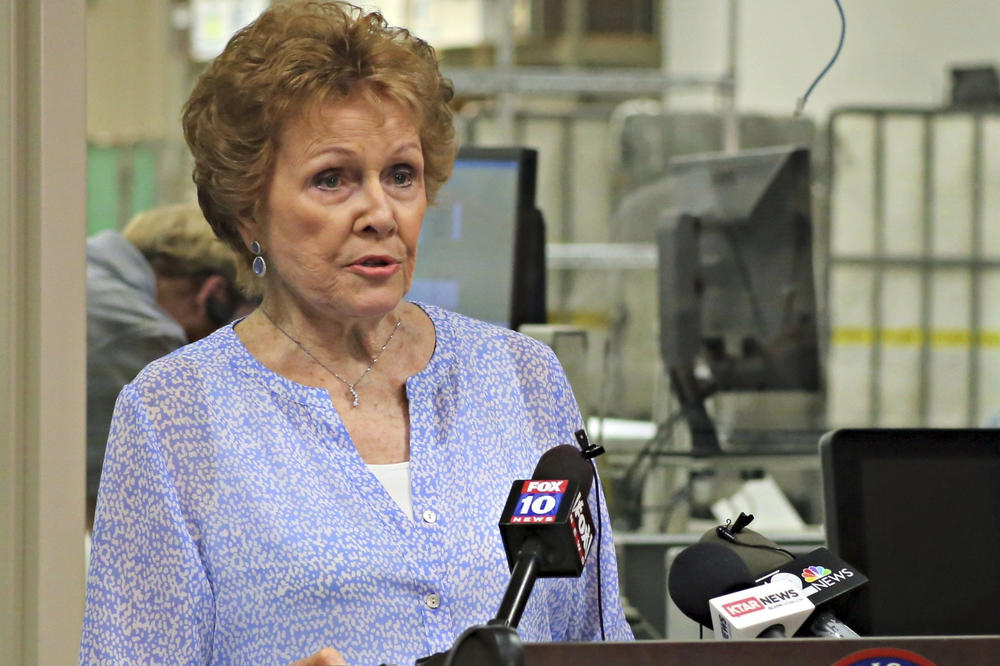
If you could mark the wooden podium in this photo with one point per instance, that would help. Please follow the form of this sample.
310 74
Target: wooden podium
940 651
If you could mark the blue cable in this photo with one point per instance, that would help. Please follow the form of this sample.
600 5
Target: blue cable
801 102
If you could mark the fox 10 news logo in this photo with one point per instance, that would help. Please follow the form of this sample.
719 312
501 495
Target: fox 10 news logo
539 501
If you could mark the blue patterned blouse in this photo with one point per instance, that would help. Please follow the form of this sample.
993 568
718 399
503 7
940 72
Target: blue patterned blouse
237 524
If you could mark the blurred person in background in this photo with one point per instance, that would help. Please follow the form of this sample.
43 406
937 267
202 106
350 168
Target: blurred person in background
163 282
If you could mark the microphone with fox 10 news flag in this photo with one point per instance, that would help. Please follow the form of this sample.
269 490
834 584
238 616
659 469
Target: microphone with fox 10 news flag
546 526
822 577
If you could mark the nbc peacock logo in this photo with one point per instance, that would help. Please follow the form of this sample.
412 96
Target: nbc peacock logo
810 574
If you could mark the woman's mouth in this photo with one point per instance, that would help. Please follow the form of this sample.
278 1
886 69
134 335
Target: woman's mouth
375 266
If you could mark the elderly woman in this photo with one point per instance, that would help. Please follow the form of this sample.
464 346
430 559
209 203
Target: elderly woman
329 471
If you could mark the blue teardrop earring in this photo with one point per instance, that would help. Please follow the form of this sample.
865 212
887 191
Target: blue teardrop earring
259 266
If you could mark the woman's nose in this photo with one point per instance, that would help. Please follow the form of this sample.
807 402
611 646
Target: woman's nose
377 214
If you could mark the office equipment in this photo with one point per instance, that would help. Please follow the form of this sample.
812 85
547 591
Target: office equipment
482 246
917 511
737 301
975 85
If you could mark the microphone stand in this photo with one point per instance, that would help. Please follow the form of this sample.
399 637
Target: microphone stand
497 643
522 580
825 624
481 645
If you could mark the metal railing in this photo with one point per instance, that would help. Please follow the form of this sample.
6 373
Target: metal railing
867 143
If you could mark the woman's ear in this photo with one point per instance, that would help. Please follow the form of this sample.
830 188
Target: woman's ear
213 300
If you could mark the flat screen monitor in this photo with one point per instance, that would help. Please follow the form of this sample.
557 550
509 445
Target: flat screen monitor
481 251
736 289
918 512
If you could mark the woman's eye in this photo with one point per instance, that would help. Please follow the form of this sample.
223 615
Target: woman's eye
329 180
402 176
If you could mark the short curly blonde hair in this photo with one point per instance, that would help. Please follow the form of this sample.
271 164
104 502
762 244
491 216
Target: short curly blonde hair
295 55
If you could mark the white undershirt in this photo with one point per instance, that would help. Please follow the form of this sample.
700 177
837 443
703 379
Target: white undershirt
396 479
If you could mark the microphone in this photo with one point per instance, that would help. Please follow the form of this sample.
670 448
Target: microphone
547 531
822 577
546 527
701 572
712 585
771 610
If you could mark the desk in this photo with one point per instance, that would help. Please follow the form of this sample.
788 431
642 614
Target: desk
941 650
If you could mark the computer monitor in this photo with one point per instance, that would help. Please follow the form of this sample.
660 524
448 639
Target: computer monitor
918 512
482 246
736 289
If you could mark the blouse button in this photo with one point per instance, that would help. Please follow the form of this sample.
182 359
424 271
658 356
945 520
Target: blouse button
429 516
432 601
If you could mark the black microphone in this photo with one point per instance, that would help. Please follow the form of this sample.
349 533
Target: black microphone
727 559
701 572
712 585
546 527
822 577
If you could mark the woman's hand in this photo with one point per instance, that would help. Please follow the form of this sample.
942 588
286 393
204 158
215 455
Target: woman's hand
325 657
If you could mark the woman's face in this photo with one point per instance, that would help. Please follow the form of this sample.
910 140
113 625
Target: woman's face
344 210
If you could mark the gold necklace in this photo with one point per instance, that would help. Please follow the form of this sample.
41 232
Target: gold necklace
350 385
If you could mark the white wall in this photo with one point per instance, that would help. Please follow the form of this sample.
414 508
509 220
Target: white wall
136 72
896 51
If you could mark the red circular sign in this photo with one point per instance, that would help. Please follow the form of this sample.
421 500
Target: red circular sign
884 657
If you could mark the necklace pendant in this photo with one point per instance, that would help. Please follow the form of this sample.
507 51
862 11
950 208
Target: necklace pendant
350 387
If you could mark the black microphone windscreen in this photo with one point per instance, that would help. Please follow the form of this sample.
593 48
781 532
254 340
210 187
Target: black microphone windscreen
701 572
565 462
758 553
